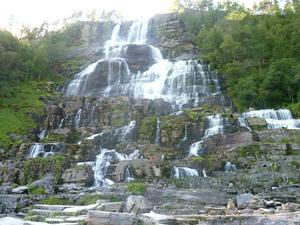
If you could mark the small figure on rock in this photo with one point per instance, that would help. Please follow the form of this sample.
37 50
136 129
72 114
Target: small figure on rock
204 173
229 167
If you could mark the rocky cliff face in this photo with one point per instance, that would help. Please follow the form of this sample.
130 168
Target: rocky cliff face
177 142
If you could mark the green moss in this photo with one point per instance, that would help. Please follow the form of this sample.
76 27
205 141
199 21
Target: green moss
148 128
73 137
251 150
119 122
38 167
295 164
56 201
295 109
198 159
137 188
55 138
35 218
36 190
88 199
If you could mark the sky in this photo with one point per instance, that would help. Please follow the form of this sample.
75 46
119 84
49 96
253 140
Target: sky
14 13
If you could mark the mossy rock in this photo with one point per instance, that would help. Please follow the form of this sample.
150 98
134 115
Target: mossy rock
148 129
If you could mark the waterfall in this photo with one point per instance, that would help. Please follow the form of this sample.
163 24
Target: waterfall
215 126
126 132
50 153
61 123
36 150
92 137
195 148
138 32
77 119
103 162
281 118
157 135
244 123
180 83
183 172
42 135
93 115
128 174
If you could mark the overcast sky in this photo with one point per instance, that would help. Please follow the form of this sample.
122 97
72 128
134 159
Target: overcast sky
34 12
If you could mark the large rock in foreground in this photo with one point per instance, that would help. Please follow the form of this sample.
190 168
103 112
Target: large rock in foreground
110 218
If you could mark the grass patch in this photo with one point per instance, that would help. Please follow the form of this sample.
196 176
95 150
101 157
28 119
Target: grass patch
16 112
137 188
88 199
36 190
56 201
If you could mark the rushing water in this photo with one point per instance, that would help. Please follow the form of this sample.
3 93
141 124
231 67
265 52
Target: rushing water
182 172
281 118
77 118
103 162
36 150
126 133
215 126
128 174
157 134
180 82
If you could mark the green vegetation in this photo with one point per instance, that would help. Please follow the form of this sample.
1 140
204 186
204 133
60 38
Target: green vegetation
27 65
36 190
256 51
17 112
53 200
89 199
137 188
148 128
38 167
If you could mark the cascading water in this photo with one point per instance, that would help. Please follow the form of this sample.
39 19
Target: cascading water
36 150
281 118
126 132
77 118
215 126
103 162
42 135
157 134
180 83
183 172
196 148
128 175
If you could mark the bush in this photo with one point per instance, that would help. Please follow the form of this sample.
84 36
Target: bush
36 190
137 188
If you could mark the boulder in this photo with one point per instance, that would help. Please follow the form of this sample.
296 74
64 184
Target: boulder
20 190
138 204
257 123
47 183
248 200
80 174
8 204
111 206
110 218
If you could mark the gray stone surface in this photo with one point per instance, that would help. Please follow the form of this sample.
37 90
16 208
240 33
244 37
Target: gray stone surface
110 218
138 204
